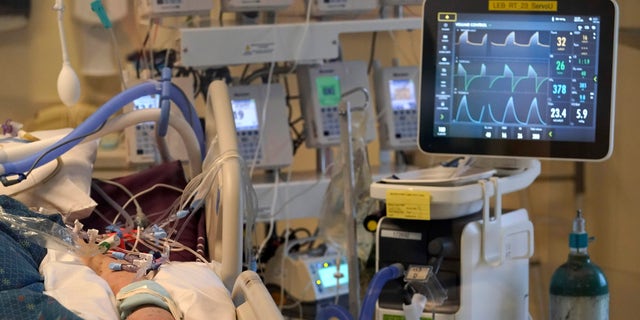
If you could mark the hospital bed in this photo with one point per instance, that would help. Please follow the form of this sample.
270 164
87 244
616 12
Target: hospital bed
228 293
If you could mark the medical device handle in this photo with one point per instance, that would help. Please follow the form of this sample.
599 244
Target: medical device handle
492 247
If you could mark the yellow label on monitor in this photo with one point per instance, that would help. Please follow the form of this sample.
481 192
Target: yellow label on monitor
514 5
408 204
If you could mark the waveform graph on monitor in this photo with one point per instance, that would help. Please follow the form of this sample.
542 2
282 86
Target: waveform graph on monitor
506 92
502 43
501 109
511 77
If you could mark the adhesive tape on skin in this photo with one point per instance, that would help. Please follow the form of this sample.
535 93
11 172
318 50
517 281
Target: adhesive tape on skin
146 292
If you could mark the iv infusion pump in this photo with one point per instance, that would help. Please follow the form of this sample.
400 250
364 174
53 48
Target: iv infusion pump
396 102
269 141
321 89
141 138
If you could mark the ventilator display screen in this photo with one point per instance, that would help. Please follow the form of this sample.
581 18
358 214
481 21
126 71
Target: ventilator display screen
517 83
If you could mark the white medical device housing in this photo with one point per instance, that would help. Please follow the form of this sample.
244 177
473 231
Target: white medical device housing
476 289
146 9
266 138
321 88
308 278
396 105
254 5
333 7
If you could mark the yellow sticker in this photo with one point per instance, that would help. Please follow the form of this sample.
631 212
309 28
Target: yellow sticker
408 204
447 17
513 5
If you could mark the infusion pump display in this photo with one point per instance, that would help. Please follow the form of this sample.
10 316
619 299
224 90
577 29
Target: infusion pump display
261 125
396 103
515 77
245 114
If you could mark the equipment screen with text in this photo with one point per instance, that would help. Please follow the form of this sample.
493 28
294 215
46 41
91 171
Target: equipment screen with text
516 77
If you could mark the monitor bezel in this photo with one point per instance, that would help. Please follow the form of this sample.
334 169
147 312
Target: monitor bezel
600 149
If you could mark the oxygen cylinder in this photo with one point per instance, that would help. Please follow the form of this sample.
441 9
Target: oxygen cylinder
579 288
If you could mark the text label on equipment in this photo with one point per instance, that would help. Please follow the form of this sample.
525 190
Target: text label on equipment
545 6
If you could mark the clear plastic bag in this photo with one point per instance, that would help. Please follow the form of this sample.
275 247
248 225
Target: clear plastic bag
48 234
332 225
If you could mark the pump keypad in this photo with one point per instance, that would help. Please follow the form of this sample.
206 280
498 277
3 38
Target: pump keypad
247 145
405 123
330 121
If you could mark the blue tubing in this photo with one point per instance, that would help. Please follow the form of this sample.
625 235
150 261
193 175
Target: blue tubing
334 311
165 104
93 122
375 286
188 112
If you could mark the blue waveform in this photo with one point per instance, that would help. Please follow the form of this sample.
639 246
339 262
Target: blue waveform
463 107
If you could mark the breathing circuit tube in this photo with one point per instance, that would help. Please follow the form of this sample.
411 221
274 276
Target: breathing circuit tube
334 311
373 292
95 121
375 286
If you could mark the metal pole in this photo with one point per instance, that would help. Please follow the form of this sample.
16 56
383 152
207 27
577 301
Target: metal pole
346 134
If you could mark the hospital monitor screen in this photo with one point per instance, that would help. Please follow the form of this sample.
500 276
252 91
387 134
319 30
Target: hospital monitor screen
518 82
147 102
328 89
245 114
327 275
403 94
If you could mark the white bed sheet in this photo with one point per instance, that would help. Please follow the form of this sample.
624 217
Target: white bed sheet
198 291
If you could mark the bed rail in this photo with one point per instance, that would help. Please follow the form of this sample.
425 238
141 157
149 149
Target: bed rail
225 237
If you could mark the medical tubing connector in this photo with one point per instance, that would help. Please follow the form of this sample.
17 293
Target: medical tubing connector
383 276
98 8
93 123
117 266
165 103
413 311
578 238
